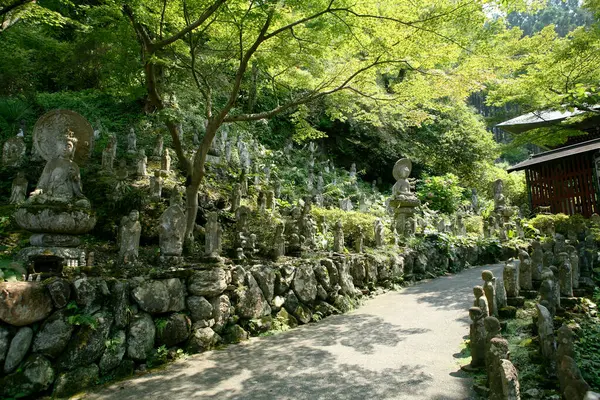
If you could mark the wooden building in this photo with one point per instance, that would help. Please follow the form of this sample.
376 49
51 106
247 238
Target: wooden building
564 178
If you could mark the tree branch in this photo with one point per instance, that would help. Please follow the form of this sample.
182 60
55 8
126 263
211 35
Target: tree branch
10 7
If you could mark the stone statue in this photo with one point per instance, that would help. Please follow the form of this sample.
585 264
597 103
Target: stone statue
212 236
474 201
565 274
481 301
158 148
236 197
574 259
279 241
156 184
489 288
277 188
359 243
560 244
379 233
18 191
165 164
346 204
13 152
244 182
270 201
589 256
545 327
548 291
338 237
403 202
172 227
129 236
310 183
261 202
461 229
142 162
228 152
108 155
60 181
477 337
537 260
122 171
525 275
131 141
499 200
320 183
511 278
353 171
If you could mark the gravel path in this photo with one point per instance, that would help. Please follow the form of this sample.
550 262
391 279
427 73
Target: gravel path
400 345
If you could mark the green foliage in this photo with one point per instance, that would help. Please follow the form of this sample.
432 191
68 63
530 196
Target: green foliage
474 224
158 357
562 223
441 193
77 317
587 352
352 222
515 188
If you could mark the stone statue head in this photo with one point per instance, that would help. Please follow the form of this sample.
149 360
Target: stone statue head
66 149
175 196
478 291
402 169
157 174
475 313
498 186
134 215
492 325
487 275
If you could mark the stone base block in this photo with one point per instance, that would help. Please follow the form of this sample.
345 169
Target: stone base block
568 302
507 312
536 284
528 294
579 292
54 240
515 301
50 261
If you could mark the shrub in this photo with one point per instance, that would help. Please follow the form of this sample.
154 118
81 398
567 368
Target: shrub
562 223
351 221
441 193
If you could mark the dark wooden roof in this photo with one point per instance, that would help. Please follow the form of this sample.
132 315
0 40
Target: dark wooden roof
556 154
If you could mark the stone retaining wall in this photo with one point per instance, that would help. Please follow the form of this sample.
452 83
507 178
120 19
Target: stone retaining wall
62 336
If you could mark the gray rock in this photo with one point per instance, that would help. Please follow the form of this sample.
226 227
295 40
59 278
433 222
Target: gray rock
205 323
321 293
285 320
322 275
23 303
90 293
305 284
209 283
297 309
265 277
160 296
236 334
277 303
70 383
238 275
343 303
173 330
4 342
345 280
60 291
34 376
326 309
221 312
87 344
202 339
54 335
251 302
114 352
119 301
199 307
332 270
19 346
141 337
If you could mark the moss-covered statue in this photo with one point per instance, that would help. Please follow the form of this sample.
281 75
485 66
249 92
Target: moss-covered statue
403 201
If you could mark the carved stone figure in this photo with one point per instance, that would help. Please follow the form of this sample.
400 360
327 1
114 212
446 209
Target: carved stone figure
279 241
270 198
499 200
338 237
511 278
489 288
13 152
574 259
320 183
244 182
212 236
18 191
403 202
122 171
474 201
158 147
477 337
131 141
129 236
310 183
545 327
548 291
261 202
560 244
142 162
565 274
108 155
379 233
359 243
346 204
525 275
492 329
353 171
481 301
60 181
589 256
165 164
156 184
461 230
537 260
236 197
172 225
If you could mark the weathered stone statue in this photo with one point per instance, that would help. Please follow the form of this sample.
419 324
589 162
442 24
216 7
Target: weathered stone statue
60 181
548 295
489 288
338 237
477 337
142 162
270 201
165 164
346 204
574 259
379 233
537 261
353 171
122 171
212 236
589 257
244 182
492 329
547 247
131 141
560 244
320 183
461 230
171 230
499 200
279 241
565 274
156 184
18 191
403 202
13 152
359 243
310 182
474 201
236 197
158 148
545 328
481 301
228 152
511 278
525 275
129 236
108 155
261 202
